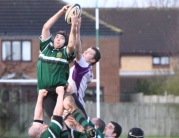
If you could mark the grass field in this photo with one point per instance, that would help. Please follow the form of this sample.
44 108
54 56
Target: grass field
153 137
119 137
161 137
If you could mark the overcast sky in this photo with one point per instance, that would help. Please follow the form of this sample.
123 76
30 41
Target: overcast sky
105 3
124 3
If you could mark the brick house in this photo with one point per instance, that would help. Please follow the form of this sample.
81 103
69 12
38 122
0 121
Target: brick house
20 26
149 45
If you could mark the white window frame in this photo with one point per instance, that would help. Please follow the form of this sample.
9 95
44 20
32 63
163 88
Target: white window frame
16 50
161 60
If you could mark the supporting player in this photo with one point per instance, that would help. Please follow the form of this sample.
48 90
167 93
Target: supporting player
38 129
135 132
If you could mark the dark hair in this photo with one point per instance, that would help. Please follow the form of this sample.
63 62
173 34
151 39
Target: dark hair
101 124
135 133
97 55
117 129
65 34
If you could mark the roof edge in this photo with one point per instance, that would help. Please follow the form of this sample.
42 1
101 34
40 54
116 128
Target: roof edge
114 28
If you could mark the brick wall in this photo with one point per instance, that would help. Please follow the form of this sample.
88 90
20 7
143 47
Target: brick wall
109 64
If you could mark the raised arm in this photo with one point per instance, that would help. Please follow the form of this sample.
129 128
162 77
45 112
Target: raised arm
38 113
72 36
78 47
58 110
51 21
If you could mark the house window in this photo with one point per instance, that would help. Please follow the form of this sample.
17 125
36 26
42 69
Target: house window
7 95
15 95
4 95
16 50
163 61
90 94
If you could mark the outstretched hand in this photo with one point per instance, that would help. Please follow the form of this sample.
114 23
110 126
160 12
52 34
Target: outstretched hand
79 24
75 18
65 8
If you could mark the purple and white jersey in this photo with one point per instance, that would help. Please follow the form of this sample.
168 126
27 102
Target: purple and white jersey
80 76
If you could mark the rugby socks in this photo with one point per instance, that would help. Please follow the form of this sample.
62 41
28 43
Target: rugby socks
89 131
78 115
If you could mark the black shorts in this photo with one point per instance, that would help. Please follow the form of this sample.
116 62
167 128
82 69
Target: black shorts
49 102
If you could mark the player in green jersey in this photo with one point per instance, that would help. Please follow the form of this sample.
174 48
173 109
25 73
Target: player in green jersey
38 129
111 130
54 58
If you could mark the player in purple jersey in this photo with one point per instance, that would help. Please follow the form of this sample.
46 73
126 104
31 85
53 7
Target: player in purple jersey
81 73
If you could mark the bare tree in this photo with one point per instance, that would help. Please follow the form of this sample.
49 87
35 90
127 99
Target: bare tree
15 67
163 3
135 3
147 3
104 3
8 112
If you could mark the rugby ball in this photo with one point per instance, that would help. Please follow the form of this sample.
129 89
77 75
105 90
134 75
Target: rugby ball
70 11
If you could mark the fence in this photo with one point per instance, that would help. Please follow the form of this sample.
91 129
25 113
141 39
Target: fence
140 97
155 119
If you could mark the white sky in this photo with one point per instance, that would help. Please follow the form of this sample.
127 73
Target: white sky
125 3
109 3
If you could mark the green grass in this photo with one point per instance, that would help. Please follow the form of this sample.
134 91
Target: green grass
161 137
153 137
119 137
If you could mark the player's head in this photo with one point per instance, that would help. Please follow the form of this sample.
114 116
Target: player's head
113 129
61 39
135 133
92 55
99 123
36 129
